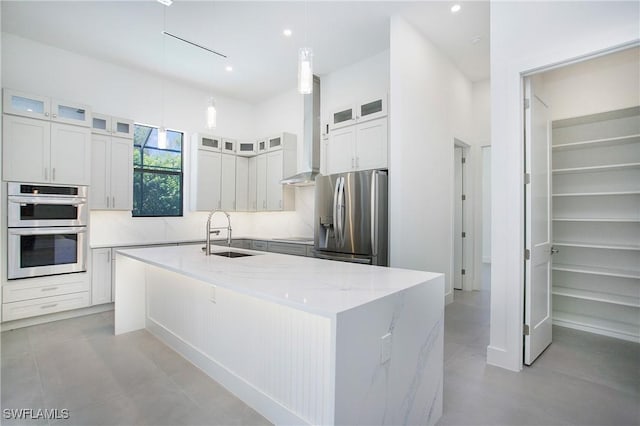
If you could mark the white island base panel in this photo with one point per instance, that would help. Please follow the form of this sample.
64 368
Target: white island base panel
379 363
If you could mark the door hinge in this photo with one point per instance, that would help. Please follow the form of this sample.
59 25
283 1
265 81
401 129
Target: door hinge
464 160
526 329
464 197
526 103
464 234
464 271
527 178
527 254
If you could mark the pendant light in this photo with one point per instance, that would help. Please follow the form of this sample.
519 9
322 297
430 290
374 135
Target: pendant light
305 60
162 132
212 113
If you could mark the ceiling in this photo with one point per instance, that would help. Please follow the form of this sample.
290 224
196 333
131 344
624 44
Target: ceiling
250 33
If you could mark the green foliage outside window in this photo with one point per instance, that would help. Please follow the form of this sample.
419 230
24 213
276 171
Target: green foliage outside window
157 173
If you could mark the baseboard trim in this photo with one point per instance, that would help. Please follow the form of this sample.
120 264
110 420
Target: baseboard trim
501 358
597 330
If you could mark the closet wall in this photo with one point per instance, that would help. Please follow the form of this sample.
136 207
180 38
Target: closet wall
596 194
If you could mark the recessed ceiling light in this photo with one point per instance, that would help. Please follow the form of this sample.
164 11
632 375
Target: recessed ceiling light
166 2
455 8
228 68
287 32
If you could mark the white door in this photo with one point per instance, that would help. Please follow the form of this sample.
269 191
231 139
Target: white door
538 239
457 221
371 145
25 149
70 154
274 176
121 163
228 182
99 191
341 150
261 182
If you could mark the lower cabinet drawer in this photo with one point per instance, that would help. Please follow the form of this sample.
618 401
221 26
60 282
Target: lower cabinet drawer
284 248
259 245
34 288
44 305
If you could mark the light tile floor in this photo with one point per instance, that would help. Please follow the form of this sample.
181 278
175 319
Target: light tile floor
134 379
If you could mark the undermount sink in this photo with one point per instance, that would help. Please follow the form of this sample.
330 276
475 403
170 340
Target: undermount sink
229 253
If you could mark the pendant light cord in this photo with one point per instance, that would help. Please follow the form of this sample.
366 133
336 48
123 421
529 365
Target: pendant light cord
164 62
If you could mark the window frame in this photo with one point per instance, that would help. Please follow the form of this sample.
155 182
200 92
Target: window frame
142 171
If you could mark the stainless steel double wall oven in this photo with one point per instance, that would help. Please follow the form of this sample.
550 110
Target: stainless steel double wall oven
47 229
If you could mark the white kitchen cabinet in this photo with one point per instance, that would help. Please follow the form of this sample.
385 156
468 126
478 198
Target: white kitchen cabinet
275 196
111 173
43 152
242 184
228 183
362 146
261 146
112 126
101 276
207 142
358 112
246 149
341 117
261 182
252 184
45 108
206 176
596 223
228 146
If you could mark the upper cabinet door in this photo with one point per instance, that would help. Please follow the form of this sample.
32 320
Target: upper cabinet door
100 191
228 146
70 113
121 182
20 103
372 109
371 145
246 149
101 124
274 143
228 183
261 183
25 149
122 127
209 143
342 117
340 151
261 146
274 176
70 154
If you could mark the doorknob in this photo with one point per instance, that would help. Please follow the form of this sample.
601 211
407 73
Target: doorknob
554 250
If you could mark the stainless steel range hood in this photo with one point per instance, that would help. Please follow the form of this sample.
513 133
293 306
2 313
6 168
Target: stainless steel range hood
310 139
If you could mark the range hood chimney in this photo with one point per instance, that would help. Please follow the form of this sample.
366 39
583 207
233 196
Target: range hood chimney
310 139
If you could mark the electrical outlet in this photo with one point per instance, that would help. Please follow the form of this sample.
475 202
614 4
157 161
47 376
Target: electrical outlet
212 294
385 348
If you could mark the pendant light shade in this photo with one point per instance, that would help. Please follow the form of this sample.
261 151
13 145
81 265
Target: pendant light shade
212 114
305 70
162 138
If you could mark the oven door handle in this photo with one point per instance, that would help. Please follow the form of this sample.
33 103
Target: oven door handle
45 200
46 231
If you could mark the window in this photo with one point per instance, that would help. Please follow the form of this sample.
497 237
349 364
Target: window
157 173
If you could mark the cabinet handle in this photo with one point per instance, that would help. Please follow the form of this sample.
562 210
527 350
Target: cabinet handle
113 202
46 114
234 205
219 203
53 305
358 162
49 288
54 115
46 174
280 203
264 204
107 201
109 256
53 174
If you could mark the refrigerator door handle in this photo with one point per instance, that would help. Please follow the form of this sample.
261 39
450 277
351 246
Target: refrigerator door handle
341 210
374 213
335 210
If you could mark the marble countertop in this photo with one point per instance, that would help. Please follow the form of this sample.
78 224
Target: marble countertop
317 286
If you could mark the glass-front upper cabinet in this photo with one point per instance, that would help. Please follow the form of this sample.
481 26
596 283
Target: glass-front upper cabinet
228 145
372 109
112 126
275 142
261 146
247 149
101 123
208 142
71 113
20 103
342 117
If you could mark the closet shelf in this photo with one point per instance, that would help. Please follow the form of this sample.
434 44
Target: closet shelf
597 194
595 270
595 296
596 245
620 140
610 167
597 219
621 330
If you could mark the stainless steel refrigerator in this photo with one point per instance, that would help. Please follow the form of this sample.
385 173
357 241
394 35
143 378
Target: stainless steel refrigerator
351 217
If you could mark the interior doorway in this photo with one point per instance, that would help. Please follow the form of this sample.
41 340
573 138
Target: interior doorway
582 199
461 258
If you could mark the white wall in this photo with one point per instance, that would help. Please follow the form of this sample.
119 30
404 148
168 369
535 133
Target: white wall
602 84
430 104
528 36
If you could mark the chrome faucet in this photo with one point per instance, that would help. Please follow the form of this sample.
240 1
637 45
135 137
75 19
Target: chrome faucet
216 231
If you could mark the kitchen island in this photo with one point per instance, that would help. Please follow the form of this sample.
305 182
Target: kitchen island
301 340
